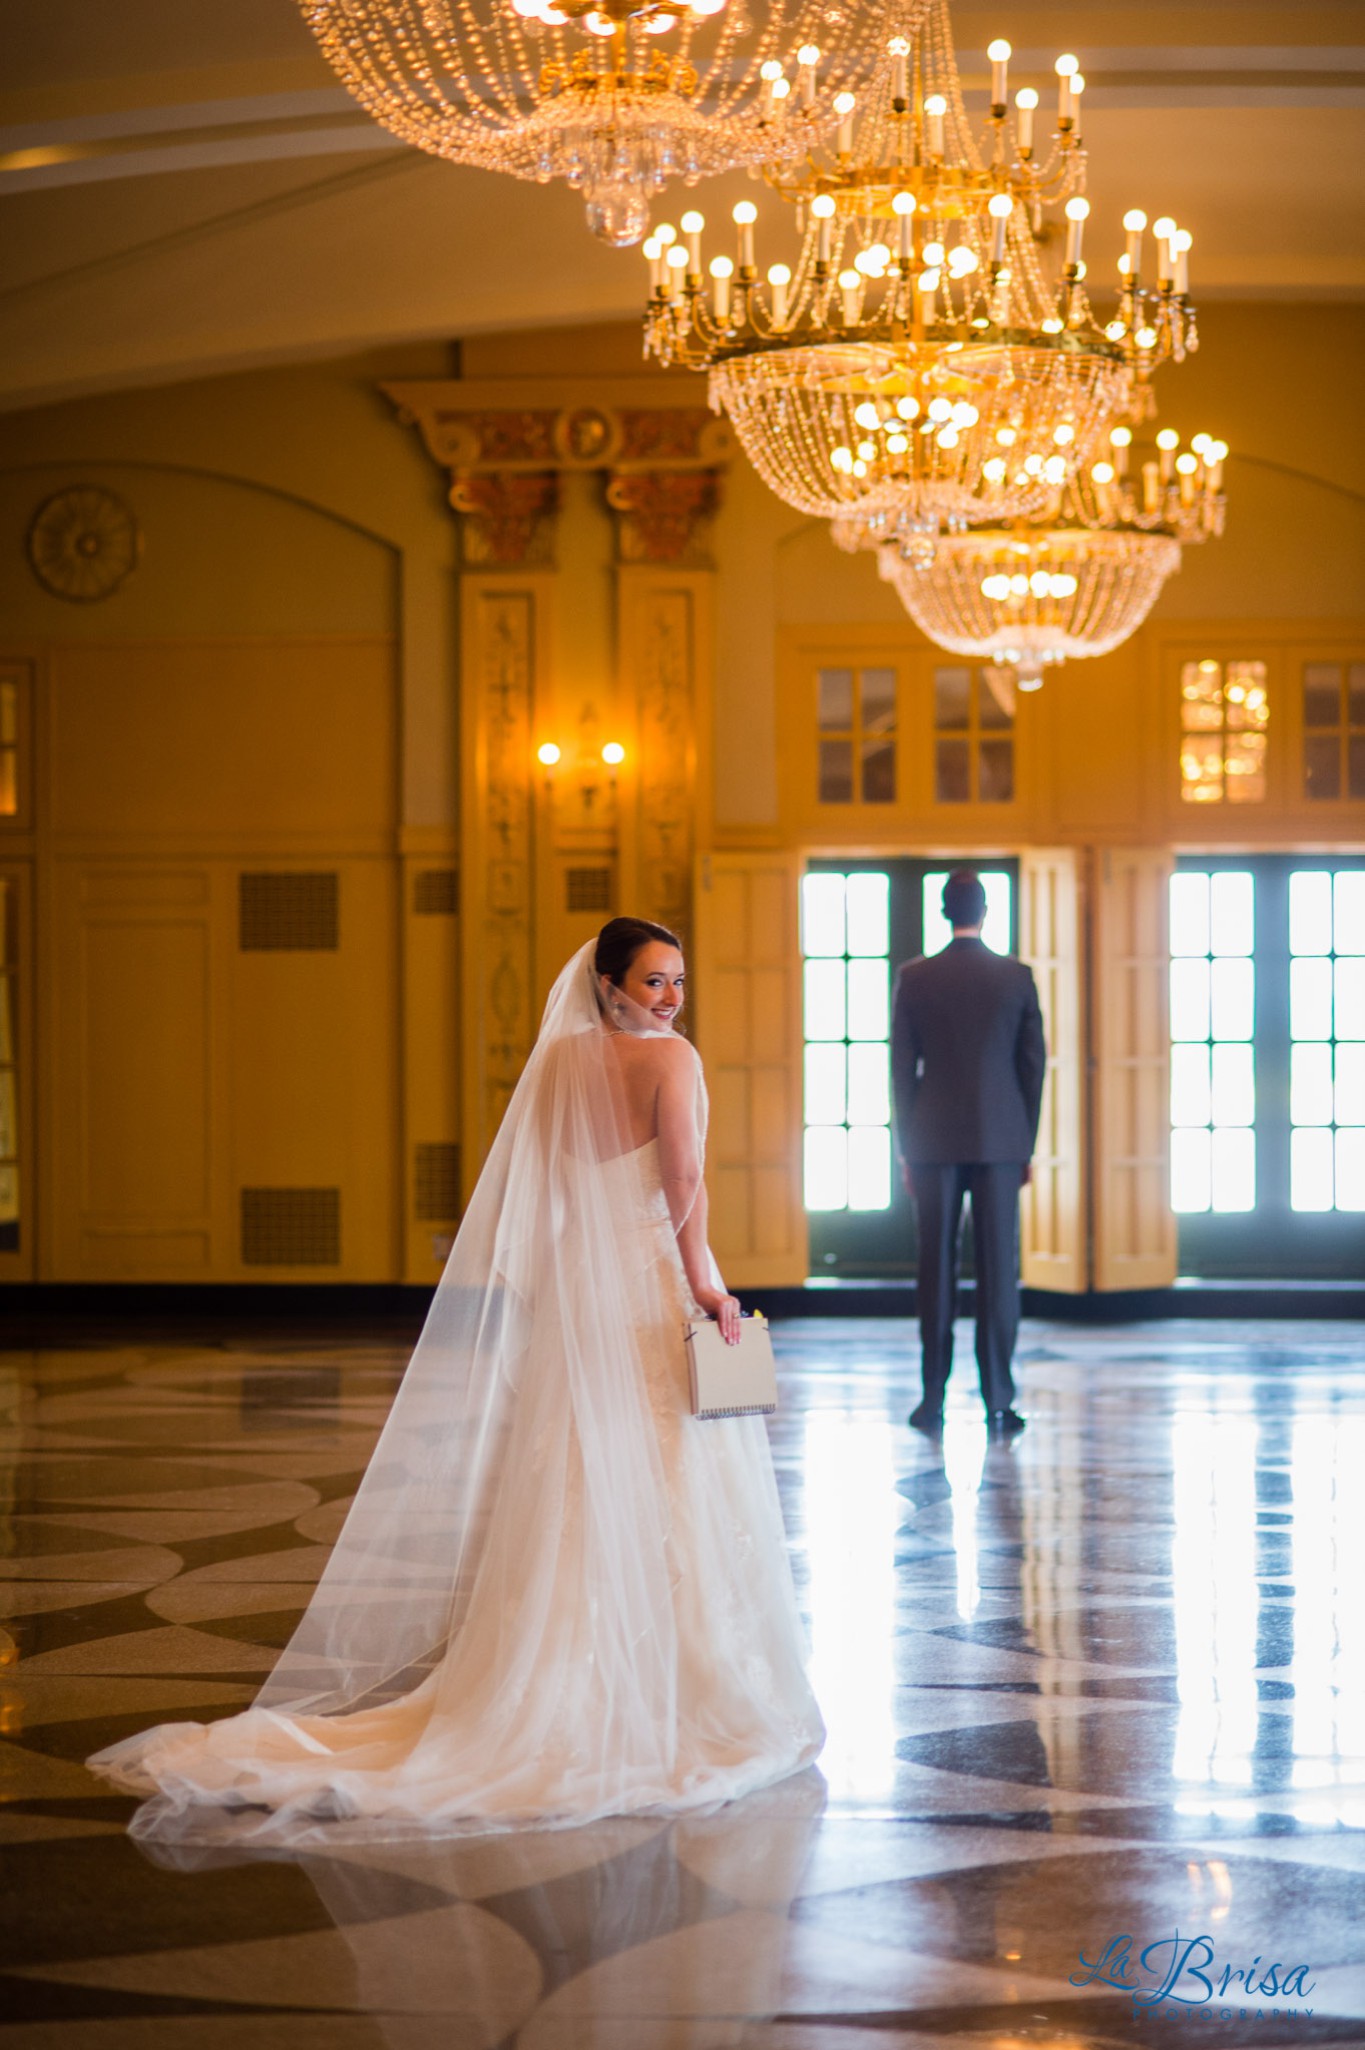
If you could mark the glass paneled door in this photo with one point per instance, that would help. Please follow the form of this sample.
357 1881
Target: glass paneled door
859 921
1268 1065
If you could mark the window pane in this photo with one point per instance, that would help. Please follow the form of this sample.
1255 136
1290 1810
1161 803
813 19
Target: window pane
1349 932
1191 1100
1232 913
1189 1000
1201 696
869 914
1322 693
868 999
879 701
1310 1169
1310 1084
1244 694
826 1103
836 701
1355 693
1321 765
1234 1088
869 1168
822 914
951 772
996 929
1244 768
879 772
935 928
869 1085
1350 1094
952 697
995 697
1310 999
1233 1007
1201 771
1191 1180
1234 1170
995 771
1355 765
826 1167
1189 913
824 1000
1350 1018
1351 1170
1310 912
836 772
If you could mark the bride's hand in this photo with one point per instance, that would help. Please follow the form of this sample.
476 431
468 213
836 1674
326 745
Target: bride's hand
714 1302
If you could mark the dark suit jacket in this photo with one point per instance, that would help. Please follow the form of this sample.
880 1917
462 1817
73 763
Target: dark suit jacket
967 1057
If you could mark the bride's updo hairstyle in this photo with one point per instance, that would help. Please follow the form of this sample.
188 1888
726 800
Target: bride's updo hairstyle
621 939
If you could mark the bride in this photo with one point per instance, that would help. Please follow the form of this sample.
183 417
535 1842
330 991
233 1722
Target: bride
556 1595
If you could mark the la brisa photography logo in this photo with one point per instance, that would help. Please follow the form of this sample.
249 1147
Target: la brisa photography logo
1183 1973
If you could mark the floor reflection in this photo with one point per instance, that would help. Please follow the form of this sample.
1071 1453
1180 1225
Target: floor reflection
1107 1678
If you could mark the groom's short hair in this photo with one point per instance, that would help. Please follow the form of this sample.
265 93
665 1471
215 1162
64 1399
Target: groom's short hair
964 898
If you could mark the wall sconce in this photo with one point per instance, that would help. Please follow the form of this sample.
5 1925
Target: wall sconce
612 754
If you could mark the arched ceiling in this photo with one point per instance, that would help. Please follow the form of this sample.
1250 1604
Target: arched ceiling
186 189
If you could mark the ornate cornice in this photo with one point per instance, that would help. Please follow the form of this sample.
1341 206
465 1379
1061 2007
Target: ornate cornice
663 466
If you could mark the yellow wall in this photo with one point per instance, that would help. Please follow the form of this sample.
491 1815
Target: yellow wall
277 689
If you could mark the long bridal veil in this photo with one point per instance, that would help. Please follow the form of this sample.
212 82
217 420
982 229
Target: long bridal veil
535 1301
549 1598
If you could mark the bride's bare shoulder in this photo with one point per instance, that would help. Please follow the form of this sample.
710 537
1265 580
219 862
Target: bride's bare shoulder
661 1053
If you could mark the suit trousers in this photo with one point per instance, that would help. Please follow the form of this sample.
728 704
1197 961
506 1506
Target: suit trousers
994 1189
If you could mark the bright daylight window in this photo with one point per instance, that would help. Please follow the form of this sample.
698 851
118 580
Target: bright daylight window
846 940
1213 1012
1327 1039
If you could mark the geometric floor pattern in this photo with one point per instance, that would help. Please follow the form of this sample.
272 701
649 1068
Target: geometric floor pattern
1096 1702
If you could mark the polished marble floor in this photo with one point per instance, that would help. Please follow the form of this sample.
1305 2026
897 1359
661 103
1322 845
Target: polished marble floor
1096 1701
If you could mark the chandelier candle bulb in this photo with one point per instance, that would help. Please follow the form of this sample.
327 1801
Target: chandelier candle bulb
935 107
692 225
999 54
903 206
1134 222
1120 440
1066 69
1151 487
1077 88
779 277
843 107
1164 230
850 287
1000 208
1168 441
745 214
1025 103
808 56
1076 213
900 71
722 270
822 207
1182 242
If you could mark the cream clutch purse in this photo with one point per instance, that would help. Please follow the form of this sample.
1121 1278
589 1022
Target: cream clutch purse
731 1380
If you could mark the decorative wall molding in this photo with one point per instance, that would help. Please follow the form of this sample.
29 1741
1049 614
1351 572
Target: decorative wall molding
664 515
508 516
500 657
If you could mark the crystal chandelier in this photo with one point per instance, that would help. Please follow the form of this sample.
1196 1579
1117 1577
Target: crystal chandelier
919 368
1076 582
613 96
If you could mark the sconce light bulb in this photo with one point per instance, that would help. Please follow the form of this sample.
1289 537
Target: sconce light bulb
613 754
547 754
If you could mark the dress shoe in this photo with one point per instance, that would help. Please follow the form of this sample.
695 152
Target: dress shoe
1005 1423
928 1419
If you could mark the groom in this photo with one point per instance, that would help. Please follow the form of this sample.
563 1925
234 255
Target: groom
967 1064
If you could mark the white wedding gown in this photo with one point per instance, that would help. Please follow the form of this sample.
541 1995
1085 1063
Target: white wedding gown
558 1595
